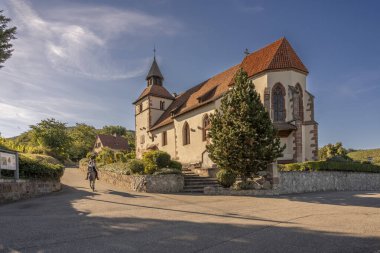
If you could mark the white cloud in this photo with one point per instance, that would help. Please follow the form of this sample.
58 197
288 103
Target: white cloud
62 62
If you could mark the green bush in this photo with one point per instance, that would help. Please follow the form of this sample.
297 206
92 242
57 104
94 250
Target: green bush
106 156
136 166
226 177
42 158
130 155
331 166
175 165
33 169
160 158
166 171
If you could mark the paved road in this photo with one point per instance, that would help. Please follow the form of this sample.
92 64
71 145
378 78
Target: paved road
110 220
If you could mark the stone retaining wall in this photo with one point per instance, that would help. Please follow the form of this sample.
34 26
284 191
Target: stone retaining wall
143 183
300 182
11 190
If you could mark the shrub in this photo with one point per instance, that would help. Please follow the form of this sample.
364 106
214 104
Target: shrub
175 165
106 156
42 158
119 157
331 166
160 158
130 155
149 167
33 169
136 166
166 171
154 160
226 177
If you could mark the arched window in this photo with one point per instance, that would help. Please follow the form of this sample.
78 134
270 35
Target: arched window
278 103
186 134
298 103
205 127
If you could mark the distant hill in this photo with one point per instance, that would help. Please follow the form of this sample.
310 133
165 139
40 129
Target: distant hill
362 155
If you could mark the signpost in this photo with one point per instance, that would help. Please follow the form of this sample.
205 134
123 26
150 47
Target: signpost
9 161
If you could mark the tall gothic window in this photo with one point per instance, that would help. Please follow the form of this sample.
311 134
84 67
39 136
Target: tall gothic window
186 134
298 103
278 97
205 126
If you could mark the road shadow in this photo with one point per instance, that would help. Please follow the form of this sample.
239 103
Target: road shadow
58 223
363 199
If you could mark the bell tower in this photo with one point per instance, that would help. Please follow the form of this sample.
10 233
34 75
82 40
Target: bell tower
150 105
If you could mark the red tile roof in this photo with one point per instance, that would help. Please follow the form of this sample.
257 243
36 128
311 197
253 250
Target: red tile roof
155 90
114 142
276 56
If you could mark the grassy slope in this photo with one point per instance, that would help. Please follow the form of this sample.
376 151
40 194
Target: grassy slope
362 155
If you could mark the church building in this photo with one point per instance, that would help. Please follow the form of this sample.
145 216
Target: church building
178 124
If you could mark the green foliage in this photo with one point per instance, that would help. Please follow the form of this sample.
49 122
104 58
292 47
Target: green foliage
82 138
33 169
154 160
42 158
106 156
130 155
111 130
120 156
332 150
362 155
331 166
52 135
175 165
6 35
243 137
136 166
226 177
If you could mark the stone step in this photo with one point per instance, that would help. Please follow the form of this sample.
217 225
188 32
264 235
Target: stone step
200 182
192 191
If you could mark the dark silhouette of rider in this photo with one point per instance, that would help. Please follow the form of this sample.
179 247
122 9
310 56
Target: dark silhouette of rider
92 166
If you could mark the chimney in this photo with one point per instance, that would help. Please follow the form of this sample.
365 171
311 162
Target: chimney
175 94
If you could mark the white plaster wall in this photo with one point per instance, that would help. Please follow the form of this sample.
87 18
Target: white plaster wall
192 153
141 126
260 85
170 147
288 152
156 112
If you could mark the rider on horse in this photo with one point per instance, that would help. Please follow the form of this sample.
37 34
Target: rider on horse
92 166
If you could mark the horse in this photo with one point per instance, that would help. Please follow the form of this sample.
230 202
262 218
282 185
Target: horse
92 177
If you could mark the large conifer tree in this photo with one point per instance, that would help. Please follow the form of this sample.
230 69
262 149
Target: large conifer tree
6 34
243 138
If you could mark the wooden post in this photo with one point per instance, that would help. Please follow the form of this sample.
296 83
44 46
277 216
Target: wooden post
17 172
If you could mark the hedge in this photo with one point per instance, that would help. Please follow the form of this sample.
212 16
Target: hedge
331 166
34 169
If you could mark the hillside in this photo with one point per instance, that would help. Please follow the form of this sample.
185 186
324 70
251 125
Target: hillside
362 155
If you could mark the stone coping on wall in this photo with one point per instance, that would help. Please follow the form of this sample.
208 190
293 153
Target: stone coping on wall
303 182
11 190
169 183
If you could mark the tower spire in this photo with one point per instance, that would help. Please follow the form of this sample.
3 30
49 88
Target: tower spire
154 51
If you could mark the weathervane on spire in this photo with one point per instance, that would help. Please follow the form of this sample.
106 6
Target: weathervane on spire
246 52
154 51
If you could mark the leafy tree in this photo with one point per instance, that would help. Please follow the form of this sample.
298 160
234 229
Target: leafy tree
52 135
82 140
6 35
333 150
111 130
244 139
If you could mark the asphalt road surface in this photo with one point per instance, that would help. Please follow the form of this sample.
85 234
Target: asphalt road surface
111 220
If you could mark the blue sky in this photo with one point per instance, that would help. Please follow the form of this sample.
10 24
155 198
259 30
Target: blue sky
85 61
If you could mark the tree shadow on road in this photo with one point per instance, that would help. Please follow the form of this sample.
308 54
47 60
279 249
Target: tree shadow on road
59 223
363 199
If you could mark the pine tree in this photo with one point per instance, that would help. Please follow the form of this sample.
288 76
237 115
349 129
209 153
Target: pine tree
6 34
244 139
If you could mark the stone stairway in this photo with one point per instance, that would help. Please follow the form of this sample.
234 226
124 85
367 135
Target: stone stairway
195 183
